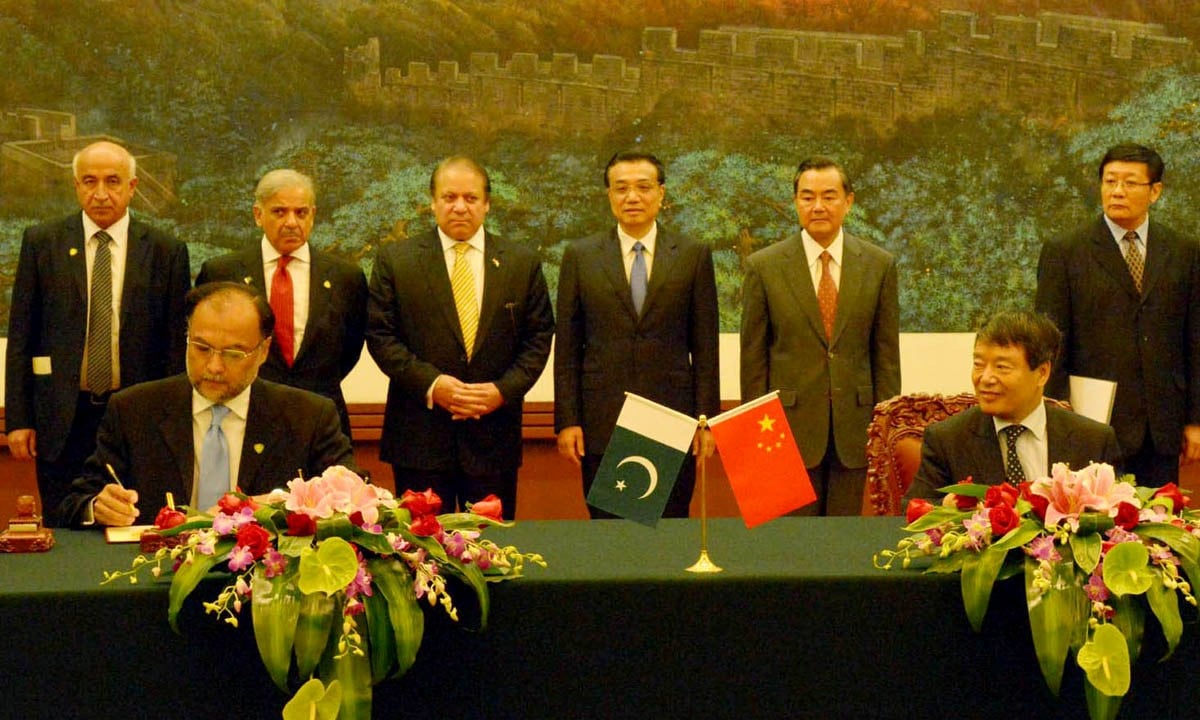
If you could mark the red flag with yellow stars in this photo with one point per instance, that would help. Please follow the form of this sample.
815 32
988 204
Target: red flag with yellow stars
760 456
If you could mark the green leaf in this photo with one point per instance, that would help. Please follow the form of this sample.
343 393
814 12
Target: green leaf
474 577
469 521
947 565
1086 549
978 575
974 490
329 568
1125 569
394 583
936 517
338 526
1054 614
1105 659
314 701
189 575
382 639
313 628
293 546
275 608
1182 542
1020 535
1165 604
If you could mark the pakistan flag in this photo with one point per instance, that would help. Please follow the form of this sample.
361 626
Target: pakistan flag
641 464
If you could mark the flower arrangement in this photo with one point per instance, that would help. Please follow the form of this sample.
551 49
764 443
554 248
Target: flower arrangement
334 570
1095 551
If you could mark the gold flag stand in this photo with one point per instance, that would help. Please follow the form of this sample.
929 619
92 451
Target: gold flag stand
704 564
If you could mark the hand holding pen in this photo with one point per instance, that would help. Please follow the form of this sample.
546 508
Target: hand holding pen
115 505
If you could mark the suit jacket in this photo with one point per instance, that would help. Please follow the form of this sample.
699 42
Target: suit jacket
414 335
965 445
336 327
49 319
820 380
603 348
1149 343
146 436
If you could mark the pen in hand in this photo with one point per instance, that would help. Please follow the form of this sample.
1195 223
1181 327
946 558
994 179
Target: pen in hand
113 474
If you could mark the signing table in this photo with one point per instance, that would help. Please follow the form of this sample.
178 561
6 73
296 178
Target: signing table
799 625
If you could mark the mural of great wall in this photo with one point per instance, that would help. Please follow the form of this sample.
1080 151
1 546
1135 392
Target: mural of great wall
1052 66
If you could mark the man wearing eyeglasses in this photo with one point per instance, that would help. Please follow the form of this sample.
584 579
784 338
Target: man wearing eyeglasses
214 429
636 312
1125 292
97 304
319 300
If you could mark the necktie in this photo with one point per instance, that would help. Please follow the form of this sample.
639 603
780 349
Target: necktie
214 462
827 295
1133 258
462 283
282 305
638 277
1013 472
99 344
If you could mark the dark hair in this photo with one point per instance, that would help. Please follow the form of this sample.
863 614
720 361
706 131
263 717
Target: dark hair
635 156
820 162
1035 333
200 293
1129 152
465 161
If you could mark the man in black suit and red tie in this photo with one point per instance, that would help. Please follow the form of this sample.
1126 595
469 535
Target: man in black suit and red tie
637 312
1125 291
97 304
319 300
460 321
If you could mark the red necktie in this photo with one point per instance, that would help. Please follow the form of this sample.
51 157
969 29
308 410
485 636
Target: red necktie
281 305
827 295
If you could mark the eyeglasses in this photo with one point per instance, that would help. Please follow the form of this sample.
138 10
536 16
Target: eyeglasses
1110 184
229 355
642 189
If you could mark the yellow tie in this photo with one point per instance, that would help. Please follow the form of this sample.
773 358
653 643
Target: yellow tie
462 282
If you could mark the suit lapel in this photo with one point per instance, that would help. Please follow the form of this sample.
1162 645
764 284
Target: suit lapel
796 276
433 263
176 429
850 286
74 244
1109 257
1058 438
319 288
987 452
612 265
494 272
1158 258
666 256
260 427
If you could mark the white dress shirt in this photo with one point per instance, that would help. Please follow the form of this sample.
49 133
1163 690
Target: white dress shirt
628 255
1033 449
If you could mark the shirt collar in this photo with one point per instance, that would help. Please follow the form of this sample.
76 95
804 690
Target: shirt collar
118 231
813 249
628 240
239 405
1034 422
475 241
1118 232
270 254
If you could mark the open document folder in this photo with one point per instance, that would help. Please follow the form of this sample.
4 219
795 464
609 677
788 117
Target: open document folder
1093 397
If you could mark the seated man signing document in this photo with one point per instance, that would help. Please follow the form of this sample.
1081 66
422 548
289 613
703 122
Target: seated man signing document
214 429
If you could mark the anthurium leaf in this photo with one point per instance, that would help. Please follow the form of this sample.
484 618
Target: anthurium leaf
1125 569
1105 659
1086 549
329 568
979 572
1165 604
1129 616
314 701
1054 612
189 575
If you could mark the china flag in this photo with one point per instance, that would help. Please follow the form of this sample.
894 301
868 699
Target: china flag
761 459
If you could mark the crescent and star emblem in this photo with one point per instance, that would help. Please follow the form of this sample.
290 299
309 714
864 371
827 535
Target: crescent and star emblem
650 470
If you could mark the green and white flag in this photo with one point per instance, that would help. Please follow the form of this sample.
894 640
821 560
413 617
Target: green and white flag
642 462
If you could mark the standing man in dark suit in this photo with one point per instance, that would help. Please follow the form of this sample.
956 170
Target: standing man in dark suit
460 321
319 300
820 324
97 304
637 312
1125 291
167 435
1012 435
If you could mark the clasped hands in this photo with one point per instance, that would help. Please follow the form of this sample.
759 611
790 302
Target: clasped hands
466 401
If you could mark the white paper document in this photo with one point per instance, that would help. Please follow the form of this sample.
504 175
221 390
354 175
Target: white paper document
1093 397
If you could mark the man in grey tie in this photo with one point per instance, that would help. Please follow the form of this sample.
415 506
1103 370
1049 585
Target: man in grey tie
97 304
637 312
1125 291
212 430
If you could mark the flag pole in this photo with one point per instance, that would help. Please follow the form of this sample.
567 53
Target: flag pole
704 564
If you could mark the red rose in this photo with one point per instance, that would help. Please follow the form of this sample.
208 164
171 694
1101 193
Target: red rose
917 507
423 503
232 504
1002 494
426 526
168 518
1127 516
1038 502
1003 519
489 507
254 538
1171 490
301 525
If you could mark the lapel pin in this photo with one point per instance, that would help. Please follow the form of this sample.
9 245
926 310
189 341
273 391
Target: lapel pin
73 252
259 447
496 262
247 280
328 285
